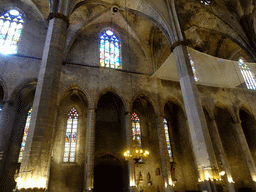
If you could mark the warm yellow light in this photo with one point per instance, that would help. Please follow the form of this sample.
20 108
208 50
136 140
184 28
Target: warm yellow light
141 151
147 152
137 151
125 154
230 180
222 173
207 176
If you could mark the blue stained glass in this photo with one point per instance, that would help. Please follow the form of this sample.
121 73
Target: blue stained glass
71 136
110 50
167 139
11 24
25 134
248 76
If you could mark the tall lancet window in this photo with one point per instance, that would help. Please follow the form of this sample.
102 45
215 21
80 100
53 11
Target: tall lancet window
193 68
11 24
167 137
110 50
248 76
25 135
71 136
136 134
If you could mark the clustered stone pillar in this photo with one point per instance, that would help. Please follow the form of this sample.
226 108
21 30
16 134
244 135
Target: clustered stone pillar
131 168
223 158
165 159
90 151
34 171
6 122
246 150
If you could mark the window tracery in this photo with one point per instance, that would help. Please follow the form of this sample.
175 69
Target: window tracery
136 134
248 76
25 135
11 24
71 136
110 50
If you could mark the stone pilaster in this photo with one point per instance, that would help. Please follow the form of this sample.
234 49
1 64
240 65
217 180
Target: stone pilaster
131 167
246 151
90 151
165 159
34 171
6 122
225 165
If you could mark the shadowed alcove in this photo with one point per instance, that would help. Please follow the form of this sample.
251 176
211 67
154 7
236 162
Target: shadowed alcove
184 164
230 142
110 143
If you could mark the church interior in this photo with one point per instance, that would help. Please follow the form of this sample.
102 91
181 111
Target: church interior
127 95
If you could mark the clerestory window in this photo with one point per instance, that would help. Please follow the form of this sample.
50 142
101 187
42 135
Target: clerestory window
248 76
25 135
110 50
11 24
71 136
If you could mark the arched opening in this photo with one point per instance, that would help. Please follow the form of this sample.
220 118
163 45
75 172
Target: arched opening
239 171
110 139
145 171
108 174
249 128
183 165
16 122
67 168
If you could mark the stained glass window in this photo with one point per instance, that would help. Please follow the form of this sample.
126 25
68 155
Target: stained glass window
167 139
11 23
248 76
110 50
206 2
25 135
71 136
193 67
136 134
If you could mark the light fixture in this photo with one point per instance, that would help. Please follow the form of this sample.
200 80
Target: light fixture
136 153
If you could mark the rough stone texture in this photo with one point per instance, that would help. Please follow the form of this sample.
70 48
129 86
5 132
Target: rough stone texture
85 85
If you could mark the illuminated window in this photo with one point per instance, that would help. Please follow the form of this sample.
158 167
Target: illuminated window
11 23
25 135
248 76
193 67
206 2
136 134
110 50
71 136
167 139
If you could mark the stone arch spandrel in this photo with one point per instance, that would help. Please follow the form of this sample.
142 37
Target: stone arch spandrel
229 110
85 94
155 11
113 91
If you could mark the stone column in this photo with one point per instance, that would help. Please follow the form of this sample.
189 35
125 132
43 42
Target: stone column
90 151
225 164
6 122
165 159
201 144
131 167
34 171
246 150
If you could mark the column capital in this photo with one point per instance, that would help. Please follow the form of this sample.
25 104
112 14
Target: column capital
178 43
60 16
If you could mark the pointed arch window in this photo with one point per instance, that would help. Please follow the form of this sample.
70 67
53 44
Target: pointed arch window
167 137
11 24
248 76
71 136
193 68
136 134
25 135
110 50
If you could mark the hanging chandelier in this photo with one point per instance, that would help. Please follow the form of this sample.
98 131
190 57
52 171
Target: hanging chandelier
136 153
